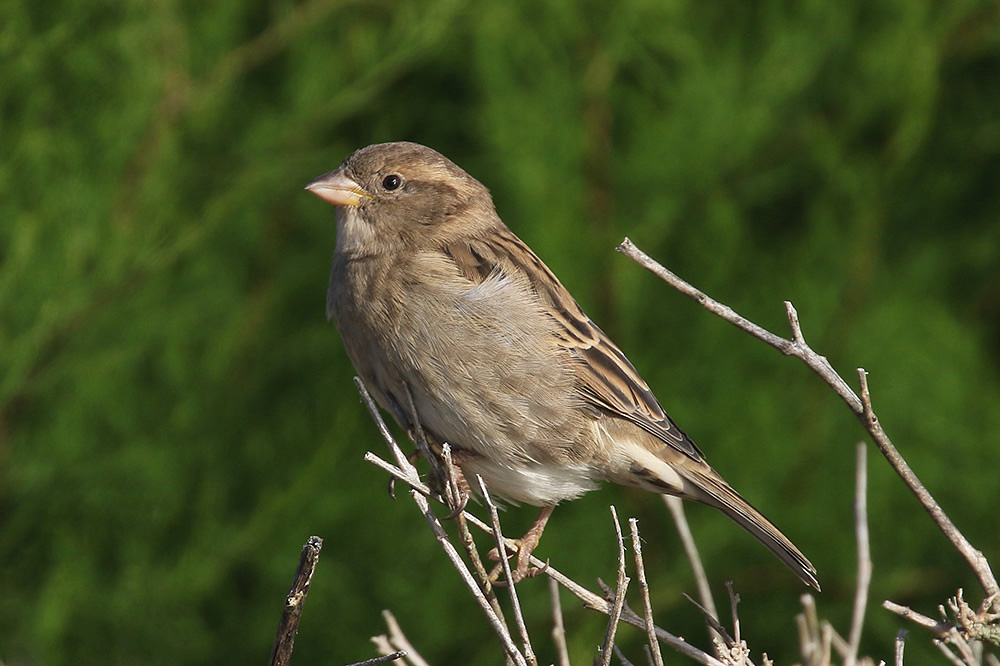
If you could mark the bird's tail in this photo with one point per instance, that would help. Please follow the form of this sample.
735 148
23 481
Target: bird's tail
715 492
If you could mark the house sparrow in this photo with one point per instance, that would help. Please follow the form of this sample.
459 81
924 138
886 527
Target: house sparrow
436 299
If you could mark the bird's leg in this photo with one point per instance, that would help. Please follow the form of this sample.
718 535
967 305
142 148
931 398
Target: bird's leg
525 546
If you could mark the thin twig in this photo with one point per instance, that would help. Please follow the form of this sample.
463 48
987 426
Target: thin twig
515 603
465 535
722 635
558 626
837 641
951 656
409 472
619 597
420 439
470 582
734 601
590 600
399 641
864 554
861 407
900 644
676 507
739 653
647 606
621 657
809 635
374 661
420 498
288 627
938 627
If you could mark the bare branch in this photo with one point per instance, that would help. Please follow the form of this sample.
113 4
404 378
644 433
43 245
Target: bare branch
558 627
722 635
864 554
456 502
619 597
621 657
647 606
383 659
810 644
676 507
419 496
410 474
529 654
590 600
946 651
861 407
739 653
288 627
438 475
900 640
398 640
938 627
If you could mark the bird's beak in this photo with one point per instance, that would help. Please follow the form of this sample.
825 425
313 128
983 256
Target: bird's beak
338 189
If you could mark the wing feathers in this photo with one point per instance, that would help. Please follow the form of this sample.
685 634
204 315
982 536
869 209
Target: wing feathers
605 377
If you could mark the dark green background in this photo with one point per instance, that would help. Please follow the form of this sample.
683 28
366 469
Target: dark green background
177 416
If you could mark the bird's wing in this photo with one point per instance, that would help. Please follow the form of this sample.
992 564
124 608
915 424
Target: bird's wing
605 378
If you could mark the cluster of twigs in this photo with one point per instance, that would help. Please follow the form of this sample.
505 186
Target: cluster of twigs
960 631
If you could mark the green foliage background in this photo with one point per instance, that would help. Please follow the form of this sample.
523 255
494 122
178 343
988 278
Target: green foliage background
177 416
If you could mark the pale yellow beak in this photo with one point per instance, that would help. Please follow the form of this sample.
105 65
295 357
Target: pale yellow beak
338 189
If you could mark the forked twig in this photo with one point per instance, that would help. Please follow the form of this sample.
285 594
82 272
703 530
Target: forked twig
396 640
861 407
408 474
590 599
441 535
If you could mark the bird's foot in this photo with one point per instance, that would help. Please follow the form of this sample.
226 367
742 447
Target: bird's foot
524 547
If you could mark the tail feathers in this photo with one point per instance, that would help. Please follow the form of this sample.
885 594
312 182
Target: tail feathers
716 492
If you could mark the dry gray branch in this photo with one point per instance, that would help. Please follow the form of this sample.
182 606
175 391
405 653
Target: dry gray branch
396 641
558 626
861 407
618 653
721 636
738 653
590 599
900 643
454 502
618 600
864 554
938 627
515 603
420 498
676 508
647 606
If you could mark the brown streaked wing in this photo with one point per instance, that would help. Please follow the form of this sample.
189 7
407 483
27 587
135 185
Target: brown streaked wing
605 376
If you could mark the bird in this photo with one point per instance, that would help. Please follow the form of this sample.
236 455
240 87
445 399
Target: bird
458 328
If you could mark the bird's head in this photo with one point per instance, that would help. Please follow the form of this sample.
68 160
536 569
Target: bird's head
402 195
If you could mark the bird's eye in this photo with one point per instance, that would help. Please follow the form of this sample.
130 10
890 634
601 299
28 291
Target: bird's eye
391 182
